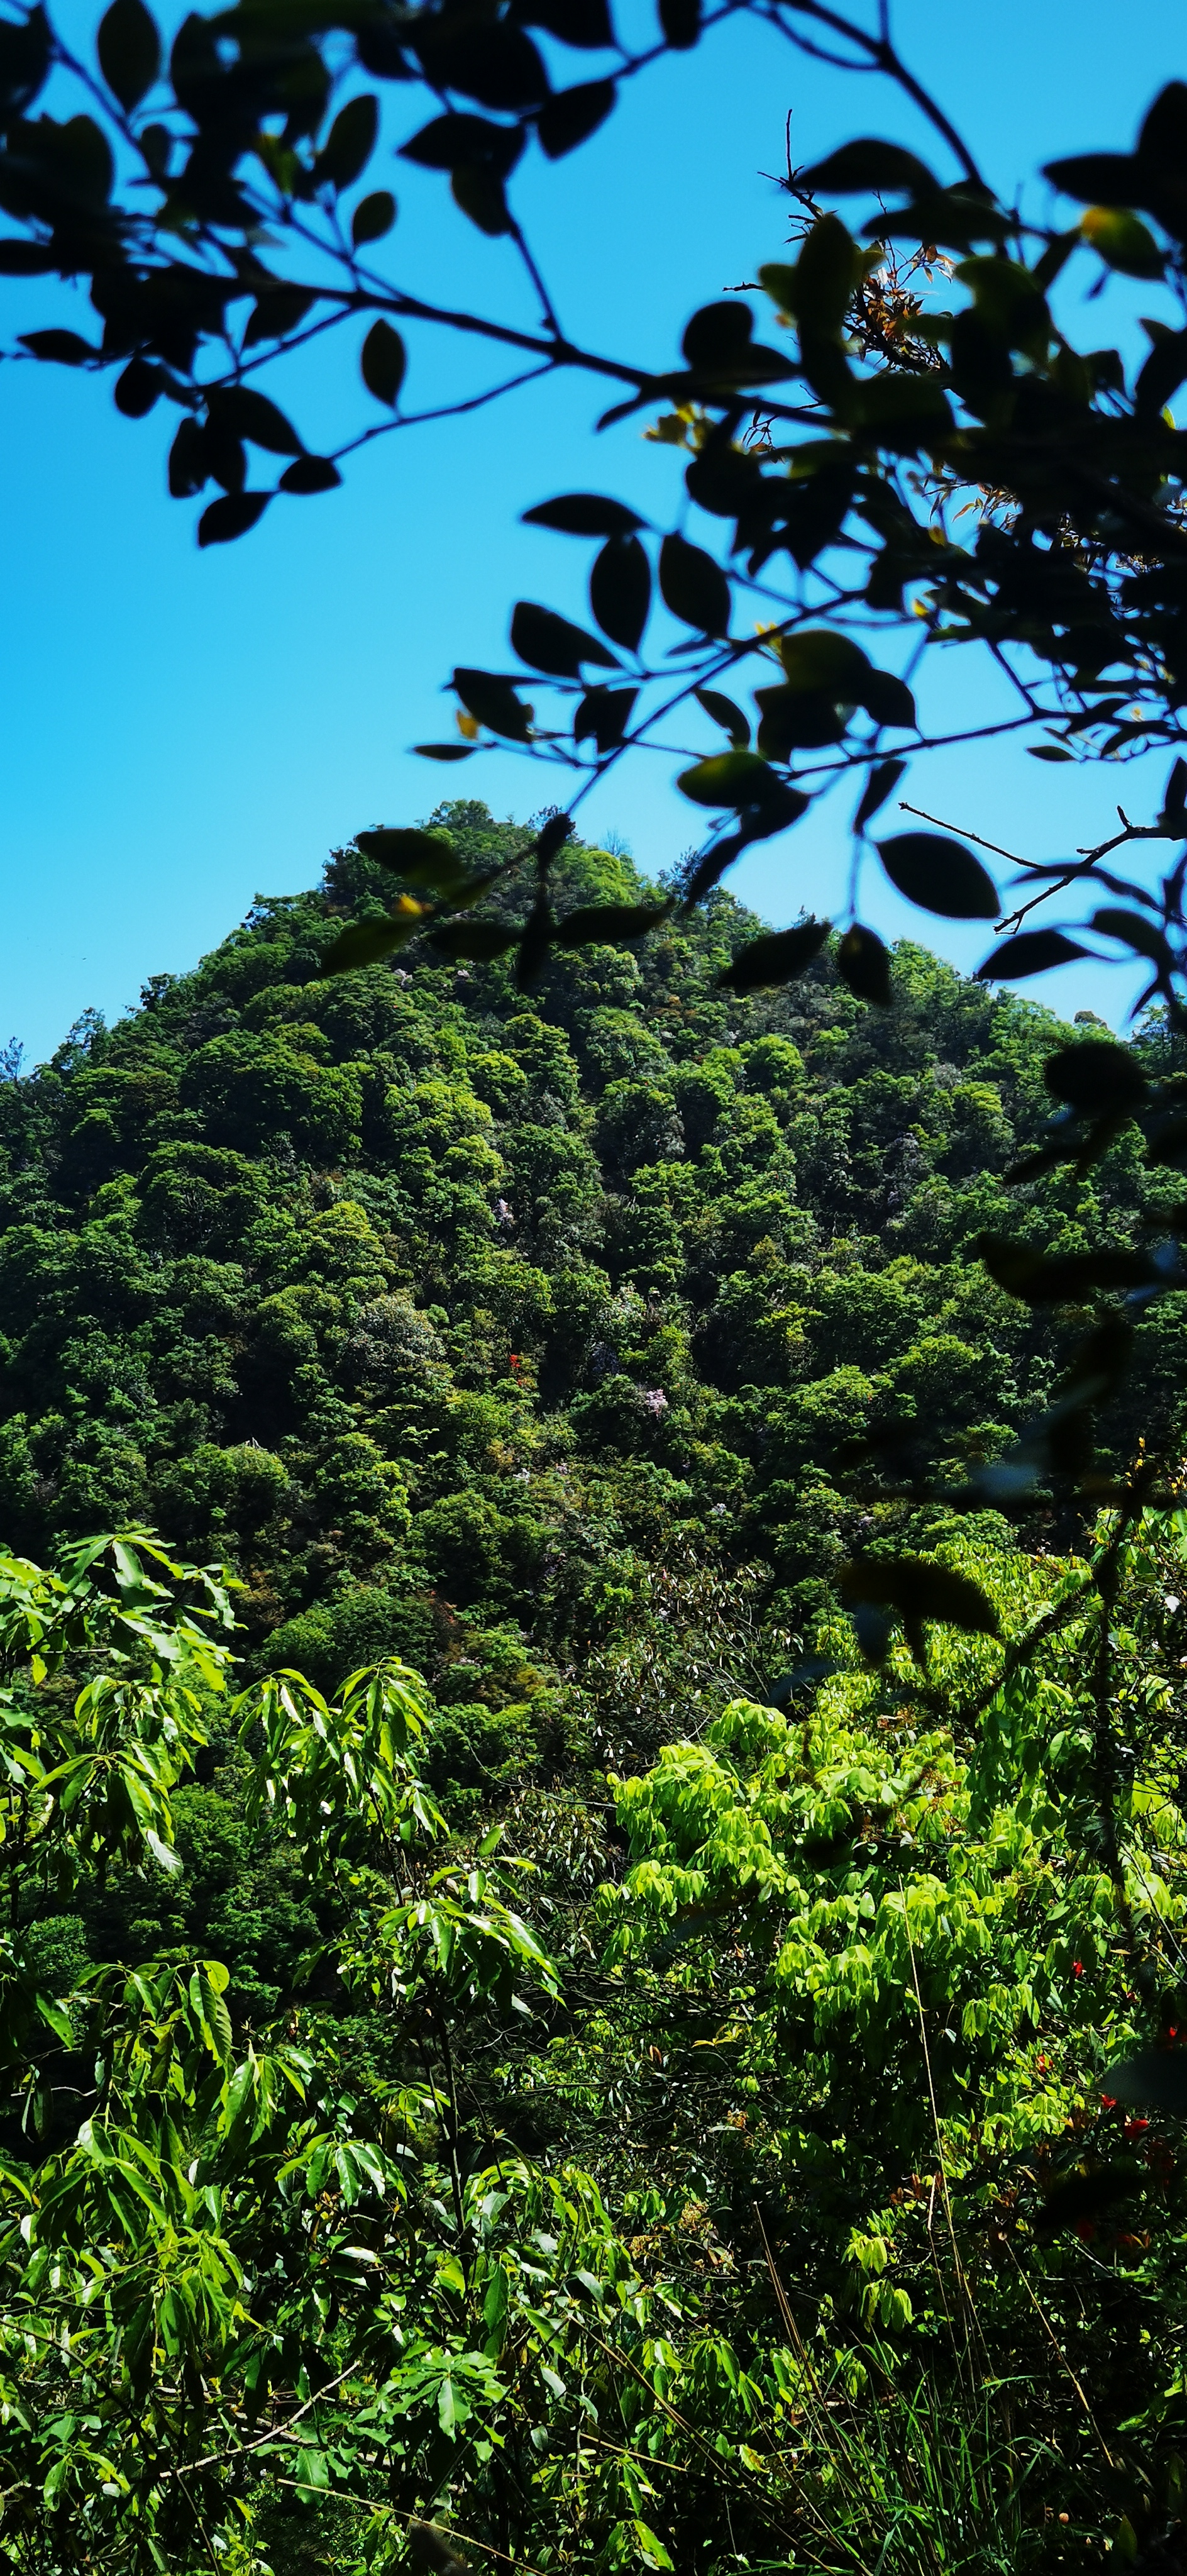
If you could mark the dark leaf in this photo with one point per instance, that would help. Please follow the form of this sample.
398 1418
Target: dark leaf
349 144
310 474
584 514
139 387
881 783
25 258
366 942
603 717
727 715
887 699
863 963
776 958
584 23
620 591
1136 932
422 858
572 115
694 587
1154 2080
1097 178
681 23
373 217
188 466
452 141
551 840
916 1589
865 165
24 59
1065 1278
479 190
247 414
1081 2195
480 940
444 750
1174 803
940 876
719 336
824 276
383 362
494 702
1097 1077
604 925
535 942
280 309
492 61
794 719
231 517
129 50
1032 952
63 348
550 643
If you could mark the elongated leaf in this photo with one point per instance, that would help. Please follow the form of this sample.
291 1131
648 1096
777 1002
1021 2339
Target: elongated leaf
310 474
607 924
58 348
383 362
866 165
493 700
481 940
863 963
776 958
620 591
365 943
1138 932
423 858
940 876
1031 952
551 643
881 783
231 517
573 114
248 414
585 514
373 217
918 1589
349 143
129 49
694 586
727 715
444 750
1063 1278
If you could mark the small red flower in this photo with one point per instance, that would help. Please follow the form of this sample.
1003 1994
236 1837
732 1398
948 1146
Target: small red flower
1077 1967
1135 2128
1108 2101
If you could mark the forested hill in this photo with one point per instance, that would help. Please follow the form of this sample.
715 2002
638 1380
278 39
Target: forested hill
458 1319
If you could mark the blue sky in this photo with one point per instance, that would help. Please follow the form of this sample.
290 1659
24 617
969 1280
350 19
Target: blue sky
183 731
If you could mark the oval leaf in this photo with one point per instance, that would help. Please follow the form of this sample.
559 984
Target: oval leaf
584 514
231 517
494 702
776 958
620 591
863 963
1032 952
383 362
940 876
605 924
550 643
694 586
129 50
373 217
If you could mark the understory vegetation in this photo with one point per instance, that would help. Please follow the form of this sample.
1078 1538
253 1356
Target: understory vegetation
523 2042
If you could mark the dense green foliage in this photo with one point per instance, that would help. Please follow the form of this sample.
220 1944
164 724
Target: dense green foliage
449 1314
574 2140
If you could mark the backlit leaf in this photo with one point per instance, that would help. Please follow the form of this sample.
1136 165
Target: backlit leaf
231 517
551 643
383 362
1031 952
940 876
865 165
863 963
881 783
129 50
494 702
620 591
573 114
775 958
584 514
373 217
694 586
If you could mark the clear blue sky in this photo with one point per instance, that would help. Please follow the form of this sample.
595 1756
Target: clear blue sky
184 730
